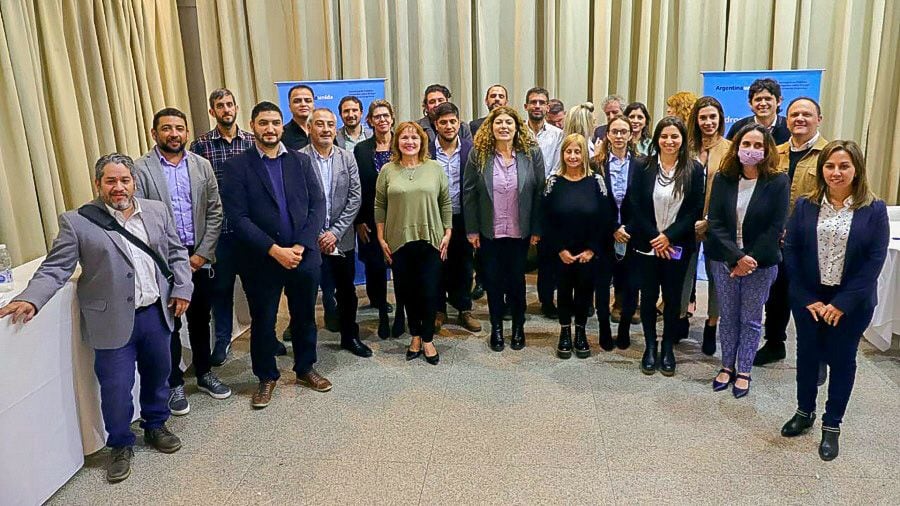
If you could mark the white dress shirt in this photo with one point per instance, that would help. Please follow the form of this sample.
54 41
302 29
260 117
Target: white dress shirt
549 139
146 288
832 232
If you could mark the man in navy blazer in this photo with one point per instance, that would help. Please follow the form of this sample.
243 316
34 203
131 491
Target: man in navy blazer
276 206
452 152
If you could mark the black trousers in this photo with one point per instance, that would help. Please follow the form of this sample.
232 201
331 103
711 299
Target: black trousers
417 277
342 270
376 270
504 277
574 291
603 271
627 283
456 274
264 279
837 346
548 272
198 317
661 275
778 308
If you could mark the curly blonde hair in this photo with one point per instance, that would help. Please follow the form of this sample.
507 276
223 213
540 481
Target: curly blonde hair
681 103
484 141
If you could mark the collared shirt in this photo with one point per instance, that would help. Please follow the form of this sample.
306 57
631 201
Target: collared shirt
665 203
806 146
276 176
549 139
217 150
179 182
348 142
832 232
506 198
326 175
618 175
294 136
146 287
450 163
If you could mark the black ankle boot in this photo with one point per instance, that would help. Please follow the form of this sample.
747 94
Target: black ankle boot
517 342
497 343
682 329
399 322
667 360
384 326
798 424
651 357
623 339
606 341
582 348
829 448
709 340
564 348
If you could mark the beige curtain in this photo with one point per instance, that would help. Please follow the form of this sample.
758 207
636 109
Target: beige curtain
77 79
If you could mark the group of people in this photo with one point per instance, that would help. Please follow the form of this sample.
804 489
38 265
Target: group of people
784 217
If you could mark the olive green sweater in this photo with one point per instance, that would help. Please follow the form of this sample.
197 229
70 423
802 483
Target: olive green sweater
413 204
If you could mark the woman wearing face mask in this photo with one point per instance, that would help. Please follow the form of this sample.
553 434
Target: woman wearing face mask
835 248
665 201
637 115
502 188
747 211
578 221
619 165
413 219
709 147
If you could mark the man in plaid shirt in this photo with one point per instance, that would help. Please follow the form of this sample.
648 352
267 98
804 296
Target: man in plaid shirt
217 145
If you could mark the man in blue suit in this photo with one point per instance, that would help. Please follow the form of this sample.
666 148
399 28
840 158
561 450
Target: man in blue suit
276 206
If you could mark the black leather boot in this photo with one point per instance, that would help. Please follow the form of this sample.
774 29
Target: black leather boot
667 359
497 343
564 348
709 340
623 339
828 448
582 348
384 326
517 342
651 357
798 424
606 340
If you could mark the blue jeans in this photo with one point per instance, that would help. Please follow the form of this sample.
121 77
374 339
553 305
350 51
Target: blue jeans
149 347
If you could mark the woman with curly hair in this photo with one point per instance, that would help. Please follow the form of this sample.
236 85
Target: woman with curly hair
680 104
502 187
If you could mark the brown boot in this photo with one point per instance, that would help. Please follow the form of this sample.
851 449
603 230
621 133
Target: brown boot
439 318
314 381
469 322
263 395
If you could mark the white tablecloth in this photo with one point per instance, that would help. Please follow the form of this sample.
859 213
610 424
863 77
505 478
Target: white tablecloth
49 396
886 320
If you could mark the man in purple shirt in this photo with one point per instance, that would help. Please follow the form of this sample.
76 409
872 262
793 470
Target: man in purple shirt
186 183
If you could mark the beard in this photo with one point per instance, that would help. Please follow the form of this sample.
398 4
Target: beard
260 139
536 116
224 123
172 151
120 205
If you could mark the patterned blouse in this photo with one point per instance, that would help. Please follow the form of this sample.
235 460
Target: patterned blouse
832 231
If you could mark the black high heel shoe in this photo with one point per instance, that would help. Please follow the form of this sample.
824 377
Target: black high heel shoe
412 355
719 386
434 359
741 392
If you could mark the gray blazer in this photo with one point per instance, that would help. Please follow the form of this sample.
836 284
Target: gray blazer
206 207
106 286
345 195
478 194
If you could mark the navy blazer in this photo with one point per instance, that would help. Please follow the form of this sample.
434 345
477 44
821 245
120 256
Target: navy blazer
364 152
635 165
641 222
866 250
465 145
780 131
252 210
763 223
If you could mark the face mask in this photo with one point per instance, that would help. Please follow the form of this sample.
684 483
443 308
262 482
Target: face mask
751 156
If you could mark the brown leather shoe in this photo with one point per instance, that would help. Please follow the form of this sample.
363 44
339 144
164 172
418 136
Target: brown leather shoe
439 318
314 381
469 322
263 394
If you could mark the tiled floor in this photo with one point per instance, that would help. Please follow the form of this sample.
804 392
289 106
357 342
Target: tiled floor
512 428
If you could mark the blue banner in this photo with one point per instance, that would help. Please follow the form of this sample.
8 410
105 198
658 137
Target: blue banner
329 94
732 88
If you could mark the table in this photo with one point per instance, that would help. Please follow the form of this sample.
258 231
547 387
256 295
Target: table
886 320
49 396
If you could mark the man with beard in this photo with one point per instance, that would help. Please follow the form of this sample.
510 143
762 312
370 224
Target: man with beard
276 206
129 298
549 138
353 132
435 95
301 100
456 278
495 97
556 114
339 177
219 144
185 182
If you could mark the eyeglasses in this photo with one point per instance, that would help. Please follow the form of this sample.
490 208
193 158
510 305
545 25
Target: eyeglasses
619 133
381 116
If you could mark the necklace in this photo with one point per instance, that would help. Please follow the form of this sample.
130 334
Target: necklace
664 179
410 172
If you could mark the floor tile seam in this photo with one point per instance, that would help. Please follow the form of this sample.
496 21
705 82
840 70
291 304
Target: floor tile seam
818 475
240 482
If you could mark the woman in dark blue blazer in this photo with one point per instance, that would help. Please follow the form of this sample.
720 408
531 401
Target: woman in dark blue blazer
835 247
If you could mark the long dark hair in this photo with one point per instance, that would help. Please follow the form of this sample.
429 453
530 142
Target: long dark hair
694 134
645 132
684 165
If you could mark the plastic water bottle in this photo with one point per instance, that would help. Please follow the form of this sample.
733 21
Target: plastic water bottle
6 278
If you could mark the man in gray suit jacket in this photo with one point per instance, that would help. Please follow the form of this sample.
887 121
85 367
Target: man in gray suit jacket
339 175
186 183
128 307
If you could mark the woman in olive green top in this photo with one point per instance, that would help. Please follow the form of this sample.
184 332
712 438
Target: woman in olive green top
413 217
